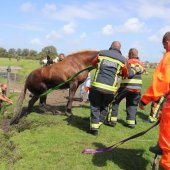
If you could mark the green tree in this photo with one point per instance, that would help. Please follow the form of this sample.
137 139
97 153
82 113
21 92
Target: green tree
25 52
3 52
12 53
33 53
49 50
19 51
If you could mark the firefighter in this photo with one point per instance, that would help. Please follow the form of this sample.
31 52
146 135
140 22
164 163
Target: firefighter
159 87
104 85
130 88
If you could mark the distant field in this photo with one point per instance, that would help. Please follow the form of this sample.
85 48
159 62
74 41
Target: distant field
55 142
27 65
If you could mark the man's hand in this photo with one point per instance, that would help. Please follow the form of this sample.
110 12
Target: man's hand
11 102
141 106
138 70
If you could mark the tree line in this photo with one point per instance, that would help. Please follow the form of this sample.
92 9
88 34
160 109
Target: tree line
28 53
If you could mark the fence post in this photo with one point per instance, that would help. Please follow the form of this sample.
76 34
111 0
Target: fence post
8 79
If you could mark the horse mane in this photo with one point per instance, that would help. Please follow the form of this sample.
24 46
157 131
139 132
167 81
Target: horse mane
81 51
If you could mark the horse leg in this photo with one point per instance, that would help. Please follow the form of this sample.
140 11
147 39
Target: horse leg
43 100
42 105
72 91
31 104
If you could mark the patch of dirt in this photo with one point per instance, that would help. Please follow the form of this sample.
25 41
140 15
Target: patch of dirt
56 98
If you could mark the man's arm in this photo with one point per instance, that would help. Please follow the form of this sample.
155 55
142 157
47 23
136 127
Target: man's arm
161 82
6 99
127 72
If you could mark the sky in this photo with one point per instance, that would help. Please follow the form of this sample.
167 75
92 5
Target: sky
75 25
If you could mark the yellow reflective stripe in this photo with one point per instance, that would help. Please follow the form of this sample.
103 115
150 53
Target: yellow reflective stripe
100 123
130 122
112 60
156 108
161 100
134 71
116 77
132 81
95 125
134 65
114 119
152 119
104 86
97 71
110 111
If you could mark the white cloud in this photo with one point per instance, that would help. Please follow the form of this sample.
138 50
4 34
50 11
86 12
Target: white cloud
36 41
54 35
133 25
107 30
69 28
28 26
88 10
83 35
27 7
60 33
151 9
157 37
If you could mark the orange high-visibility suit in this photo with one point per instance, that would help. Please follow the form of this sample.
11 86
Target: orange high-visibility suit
160 86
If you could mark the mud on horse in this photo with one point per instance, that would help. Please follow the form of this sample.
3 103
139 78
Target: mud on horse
42 79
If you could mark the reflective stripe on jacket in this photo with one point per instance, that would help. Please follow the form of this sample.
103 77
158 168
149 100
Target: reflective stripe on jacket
136 81
110 64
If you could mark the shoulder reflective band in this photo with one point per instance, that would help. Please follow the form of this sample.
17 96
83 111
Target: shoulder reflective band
132 81
112 60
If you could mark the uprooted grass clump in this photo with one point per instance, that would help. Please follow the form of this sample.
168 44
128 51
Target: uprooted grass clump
8 154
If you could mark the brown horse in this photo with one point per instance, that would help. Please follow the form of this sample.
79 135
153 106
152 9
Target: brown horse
42 79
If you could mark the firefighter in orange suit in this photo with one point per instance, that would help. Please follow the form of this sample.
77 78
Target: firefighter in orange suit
159 87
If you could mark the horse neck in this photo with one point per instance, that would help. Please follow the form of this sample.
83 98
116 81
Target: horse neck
90 58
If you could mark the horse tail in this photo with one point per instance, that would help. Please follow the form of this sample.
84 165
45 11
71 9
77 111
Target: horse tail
18 108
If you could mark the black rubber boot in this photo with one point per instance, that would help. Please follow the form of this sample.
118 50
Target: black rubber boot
110 123
131 126
161 168
94 132
155 149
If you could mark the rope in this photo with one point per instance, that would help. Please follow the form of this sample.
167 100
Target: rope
68 80
154 162
110 148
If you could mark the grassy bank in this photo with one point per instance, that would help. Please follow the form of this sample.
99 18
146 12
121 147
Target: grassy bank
55 142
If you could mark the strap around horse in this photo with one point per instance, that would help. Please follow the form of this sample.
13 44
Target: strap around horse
67 81
112 147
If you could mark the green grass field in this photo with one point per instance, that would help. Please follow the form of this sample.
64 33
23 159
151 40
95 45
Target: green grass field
55 142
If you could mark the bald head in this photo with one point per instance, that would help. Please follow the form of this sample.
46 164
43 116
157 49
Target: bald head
133 53
3 87
116 44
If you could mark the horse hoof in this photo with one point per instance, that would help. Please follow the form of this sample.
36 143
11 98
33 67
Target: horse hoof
14 121
68 114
